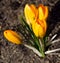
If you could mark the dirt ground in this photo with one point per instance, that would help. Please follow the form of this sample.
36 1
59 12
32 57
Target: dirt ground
11 53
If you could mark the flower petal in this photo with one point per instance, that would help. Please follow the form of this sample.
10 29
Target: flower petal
35 28
34 9
43 12
39 28
43 24
29 13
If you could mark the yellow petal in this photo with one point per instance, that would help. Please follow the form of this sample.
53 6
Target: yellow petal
42 28
43 12
35 28
41 32
34 9
39 28
12 36
29 14
43 24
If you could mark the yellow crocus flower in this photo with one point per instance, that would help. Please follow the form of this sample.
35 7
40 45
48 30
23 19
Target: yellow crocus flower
36 17
12 36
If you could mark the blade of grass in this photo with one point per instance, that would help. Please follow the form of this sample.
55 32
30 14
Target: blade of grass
51 51
34 50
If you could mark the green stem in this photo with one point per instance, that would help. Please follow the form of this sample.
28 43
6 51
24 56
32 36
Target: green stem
36 40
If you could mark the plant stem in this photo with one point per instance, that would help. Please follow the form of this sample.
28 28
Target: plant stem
35 39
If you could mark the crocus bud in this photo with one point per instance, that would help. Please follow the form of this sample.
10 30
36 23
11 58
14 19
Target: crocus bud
12 36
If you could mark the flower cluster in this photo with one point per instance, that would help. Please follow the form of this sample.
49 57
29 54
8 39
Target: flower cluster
36 18
36 25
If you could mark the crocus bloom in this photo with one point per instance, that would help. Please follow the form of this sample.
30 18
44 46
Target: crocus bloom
36 17
12 36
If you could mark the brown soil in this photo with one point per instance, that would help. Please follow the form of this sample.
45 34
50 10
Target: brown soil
11 53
